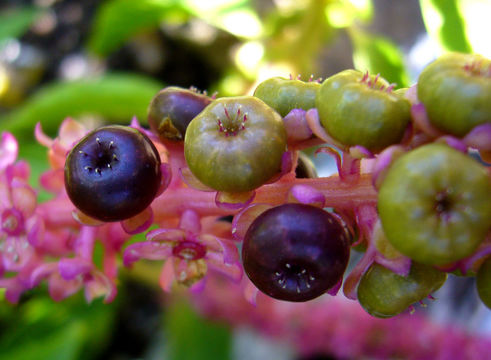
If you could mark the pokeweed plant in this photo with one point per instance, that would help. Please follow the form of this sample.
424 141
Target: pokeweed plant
407 192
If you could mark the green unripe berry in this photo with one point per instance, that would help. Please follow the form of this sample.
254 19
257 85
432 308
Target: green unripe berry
456 92
235 144
383 293
358 109
284 95
435 204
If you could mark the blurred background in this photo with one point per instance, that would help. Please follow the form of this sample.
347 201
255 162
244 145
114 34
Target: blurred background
102 61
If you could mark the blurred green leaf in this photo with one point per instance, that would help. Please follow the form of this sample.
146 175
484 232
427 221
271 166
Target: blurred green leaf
445 24
15 22
44 329
378 55
116 97
37 157
118 20
191 337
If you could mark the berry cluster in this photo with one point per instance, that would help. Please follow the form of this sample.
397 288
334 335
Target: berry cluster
412 191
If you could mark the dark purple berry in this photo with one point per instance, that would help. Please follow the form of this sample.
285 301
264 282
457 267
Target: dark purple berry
113 173
172 109
295 252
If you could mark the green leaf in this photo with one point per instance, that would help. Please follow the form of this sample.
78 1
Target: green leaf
445 24
118 20
116 97
44 329
191 337
14 23
378 55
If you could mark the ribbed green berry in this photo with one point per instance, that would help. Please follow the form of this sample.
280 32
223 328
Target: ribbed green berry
235 144
456 92
435 204
358 109
284 95
383 293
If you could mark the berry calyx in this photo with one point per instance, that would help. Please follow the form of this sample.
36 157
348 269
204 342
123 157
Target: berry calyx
295 252
113 173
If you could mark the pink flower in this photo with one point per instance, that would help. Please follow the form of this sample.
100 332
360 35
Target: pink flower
19 226
188 252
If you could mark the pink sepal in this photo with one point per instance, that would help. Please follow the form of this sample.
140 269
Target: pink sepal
479 138
348 166
226 247
333 291
60 289
234 201
244 219
166 178
420 118
41 272
297 128
453 142
250 292
383 162
136 125
312 117
198 286
352 280
70 268
83 219
138 223
306 195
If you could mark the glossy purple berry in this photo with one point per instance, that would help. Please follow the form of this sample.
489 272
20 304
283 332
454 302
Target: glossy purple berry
295 252
113 173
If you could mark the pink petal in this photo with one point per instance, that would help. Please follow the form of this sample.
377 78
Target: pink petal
100 286
9 149
479 137
167 276
35 232
42 272
53 180
244 219
70 268
41 137
192 181
70 132
166 235
136 125
306 195
352 280
296 126
19 171
139 222
400 265
14 289
190 221
24 199
234 201
150 250
227 247
216 262
412 94
60 289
